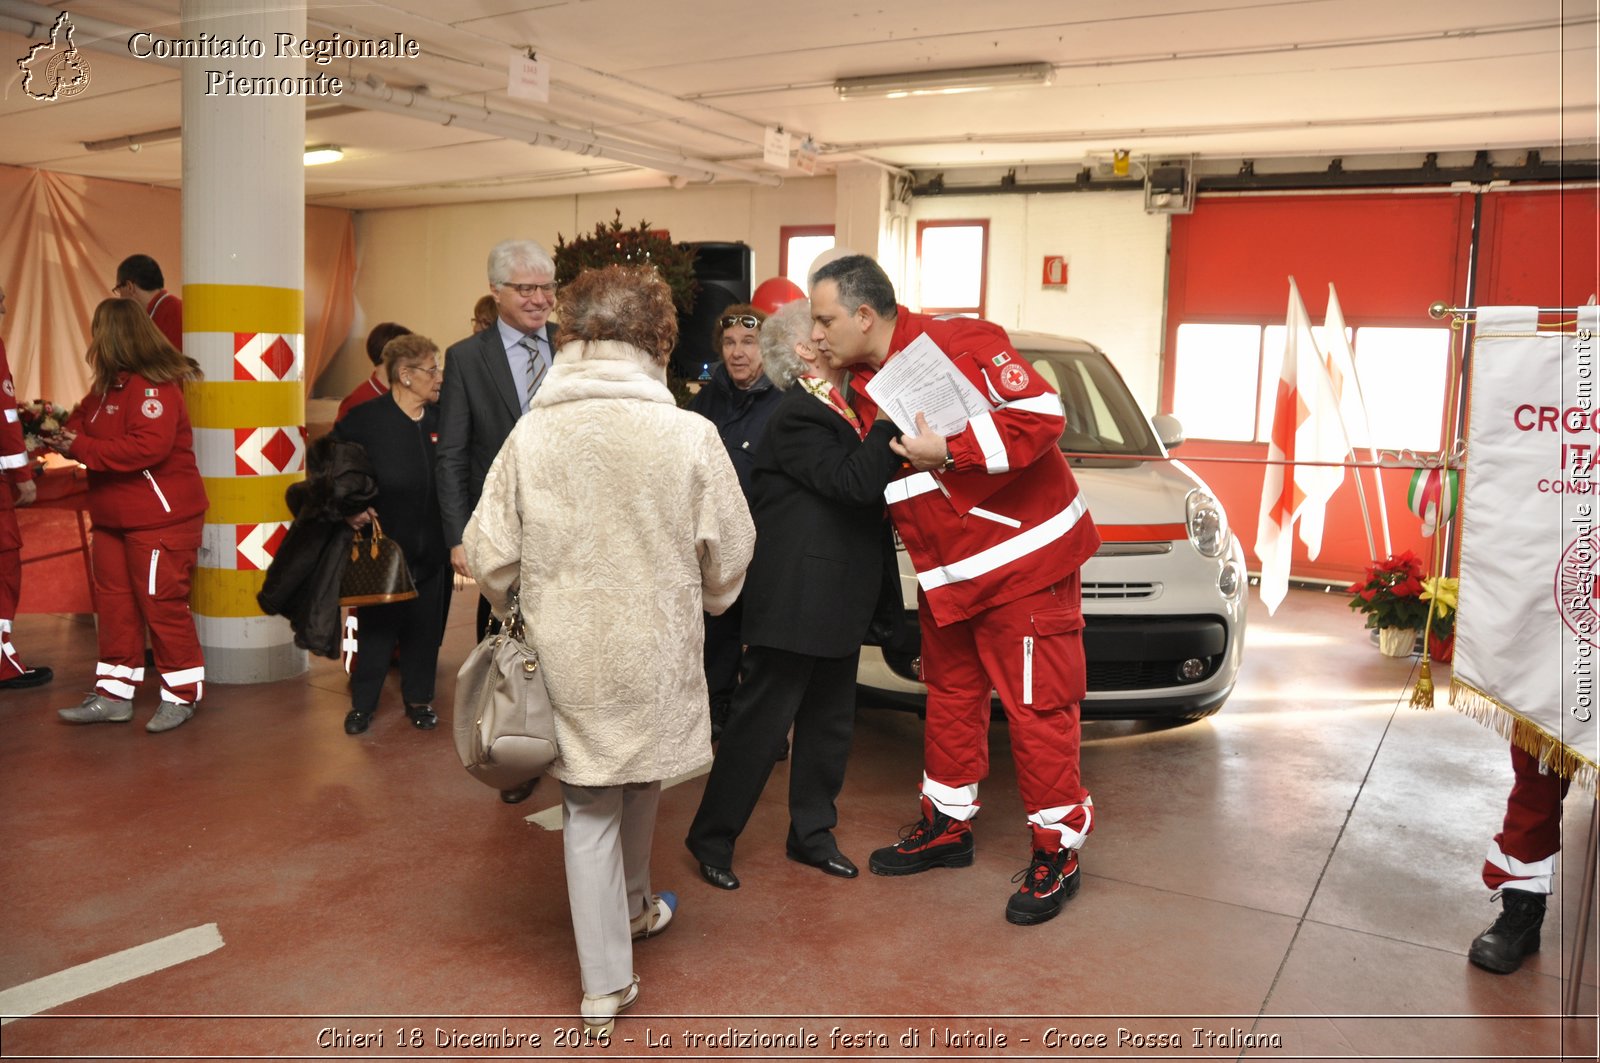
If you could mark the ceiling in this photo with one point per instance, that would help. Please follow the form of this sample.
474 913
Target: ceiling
647 92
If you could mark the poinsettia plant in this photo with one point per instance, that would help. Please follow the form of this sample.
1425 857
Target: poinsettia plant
1444 592
1391 593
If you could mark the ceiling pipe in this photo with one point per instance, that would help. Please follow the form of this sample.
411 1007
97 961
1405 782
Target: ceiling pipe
33 22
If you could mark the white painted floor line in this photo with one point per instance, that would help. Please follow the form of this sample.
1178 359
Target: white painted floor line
550 818
54 990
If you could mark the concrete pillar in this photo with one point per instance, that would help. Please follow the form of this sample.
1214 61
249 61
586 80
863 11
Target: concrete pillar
869 220
244 322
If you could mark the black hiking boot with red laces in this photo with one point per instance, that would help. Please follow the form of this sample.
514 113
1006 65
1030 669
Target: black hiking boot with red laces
1047 883
936 841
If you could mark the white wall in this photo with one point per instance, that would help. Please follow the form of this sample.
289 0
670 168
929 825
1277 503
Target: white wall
1117 271
425 266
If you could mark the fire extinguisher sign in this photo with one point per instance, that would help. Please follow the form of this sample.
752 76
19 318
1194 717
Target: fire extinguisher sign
1055 271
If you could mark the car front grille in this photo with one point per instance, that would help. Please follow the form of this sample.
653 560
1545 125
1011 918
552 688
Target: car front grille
1121 592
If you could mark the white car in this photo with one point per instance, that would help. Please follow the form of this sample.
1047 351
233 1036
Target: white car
1164 596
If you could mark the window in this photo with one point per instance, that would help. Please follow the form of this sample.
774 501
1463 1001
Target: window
798 247
953 266
1226 381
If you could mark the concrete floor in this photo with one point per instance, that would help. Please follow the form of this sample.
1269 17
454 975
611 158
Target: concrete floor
1296 877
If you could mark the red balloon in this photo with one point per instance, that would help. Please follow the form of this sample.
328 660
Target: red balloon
775 292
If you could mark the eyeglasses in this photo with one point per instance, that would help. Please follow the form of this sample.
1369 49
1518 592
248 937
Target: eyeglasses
431 370
117 288
747 320
526 290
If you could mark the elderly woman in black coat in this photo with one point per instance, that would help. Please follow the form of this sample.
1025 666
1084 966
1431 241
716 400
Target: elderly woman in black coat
813 586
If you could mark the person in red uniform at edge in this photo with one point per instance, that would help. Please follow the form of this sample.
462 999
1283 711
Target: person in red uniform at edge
139 279
378 383
16 472
148 505
1521 865
995 525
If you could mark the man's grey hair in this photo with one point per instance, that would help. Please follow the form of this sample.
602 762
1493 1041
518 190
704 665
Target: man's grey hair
791 324
517 256
862 282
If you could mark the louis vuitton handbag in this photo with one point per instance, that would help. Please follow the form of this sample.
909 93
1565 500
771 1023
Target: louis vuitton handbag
505 727
377 572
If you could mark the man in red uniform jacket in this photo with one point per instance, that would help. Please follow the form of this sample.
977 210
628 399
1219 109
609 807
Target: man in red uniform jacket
994 523
139 278
15 471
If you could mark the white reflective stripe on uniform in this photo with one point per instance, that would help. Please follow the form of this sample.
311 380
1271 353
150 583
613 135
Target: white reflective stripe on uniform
987 436
1055 819
1027 669
155 558
119 671
1535 876
13 461
350 644
167 695
116 688
910 487
11 414
1046 403
5 626
184 676
998 518
957 802
1002 554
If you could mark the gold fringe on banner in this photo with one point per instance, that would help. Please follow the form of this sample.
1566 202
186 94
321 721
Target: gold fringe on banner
1526 735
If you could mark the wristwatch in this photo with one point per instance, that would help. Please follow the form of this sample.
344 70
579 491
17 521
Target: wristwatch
949 462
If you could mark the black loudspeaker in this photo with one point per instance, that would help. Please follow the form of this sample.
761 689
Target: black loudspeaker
723 271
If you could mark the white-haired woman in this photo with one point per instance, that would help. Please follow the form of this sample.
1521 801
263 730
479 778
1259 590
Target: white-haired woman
813 588
620 518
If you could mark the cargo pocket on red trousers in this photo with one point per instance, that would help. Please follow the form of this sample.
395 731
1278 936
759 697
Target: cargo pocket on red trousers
1052 658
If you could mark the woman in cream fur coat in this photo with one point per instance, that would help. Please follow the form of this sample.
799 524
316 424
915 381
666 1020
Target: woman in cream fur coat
619 518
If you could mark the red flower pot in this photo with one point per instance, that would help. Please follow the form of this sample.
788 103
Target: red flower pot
1442 649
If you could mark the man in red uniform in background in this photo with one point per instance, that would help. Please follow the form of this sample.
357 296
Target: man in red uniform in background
994 523
15 471
139 278
378 383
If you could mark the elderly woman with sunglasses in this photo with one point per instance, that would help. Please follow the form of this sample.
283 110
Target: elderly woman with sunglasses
738 399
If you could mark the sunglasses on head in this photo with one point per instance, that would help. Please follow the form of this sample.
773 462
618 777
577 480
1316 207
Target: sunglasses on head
747 320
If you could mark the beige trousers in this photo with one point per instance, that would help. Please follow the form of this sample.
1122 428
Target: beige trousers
606 835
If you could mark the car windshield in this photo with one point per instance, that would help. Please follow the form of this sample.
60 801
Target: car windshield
1102 418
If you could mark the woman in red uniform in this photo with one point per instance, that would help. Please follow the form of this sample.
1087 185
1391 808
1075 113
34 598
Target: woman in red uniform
148 505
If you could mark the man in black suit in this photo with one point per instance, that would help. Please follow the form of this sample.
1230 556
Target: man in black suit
809 596
488 380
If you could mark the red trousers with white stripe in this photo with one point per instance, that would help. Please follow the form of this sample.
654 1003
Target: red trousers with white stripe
141 583
1030 652
11 665
1523 855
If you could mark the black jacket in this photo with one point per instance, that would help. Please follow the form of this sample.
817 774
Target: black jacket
302 583
740 416
817 574
402 455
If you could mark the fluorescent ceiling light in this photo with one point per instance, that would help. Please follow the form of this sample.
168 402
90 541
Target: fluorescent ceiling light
941 82
318 154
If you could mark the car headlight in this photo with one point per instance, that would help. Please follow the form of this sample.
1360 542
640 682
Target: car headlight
1208 524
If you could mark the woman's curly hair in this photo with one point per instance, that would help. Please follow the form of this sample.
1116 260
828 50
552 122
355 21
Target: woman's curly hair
631 304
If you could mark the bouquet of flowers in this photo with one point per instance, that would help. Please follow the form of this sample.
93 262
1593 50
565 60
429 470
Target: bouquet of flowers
40 417
1391 594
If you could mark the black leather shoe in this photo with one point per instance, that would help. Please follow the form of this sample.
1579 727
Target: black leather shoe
518 794
33 677
423 718
356 721
720 877
837 865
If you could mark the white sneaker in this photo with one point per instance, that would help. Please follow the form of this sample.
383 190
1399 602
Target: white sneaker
171 714
600 1010
656 915
97 708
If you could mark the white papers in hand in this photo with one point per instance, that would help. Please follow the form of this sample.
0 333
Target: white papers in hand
922 379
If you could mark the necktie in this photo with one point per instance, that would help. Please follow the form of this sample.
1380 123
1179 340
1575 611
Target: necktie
536 368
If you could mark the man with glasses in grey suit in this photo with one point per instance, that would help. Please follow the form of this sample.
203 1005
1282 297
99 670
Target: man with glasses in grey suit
488 379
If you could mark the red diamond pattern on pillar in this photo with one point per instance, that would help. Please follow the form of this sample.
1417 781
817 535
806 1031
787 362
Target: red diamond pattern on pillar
266 356
268 451
258 544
